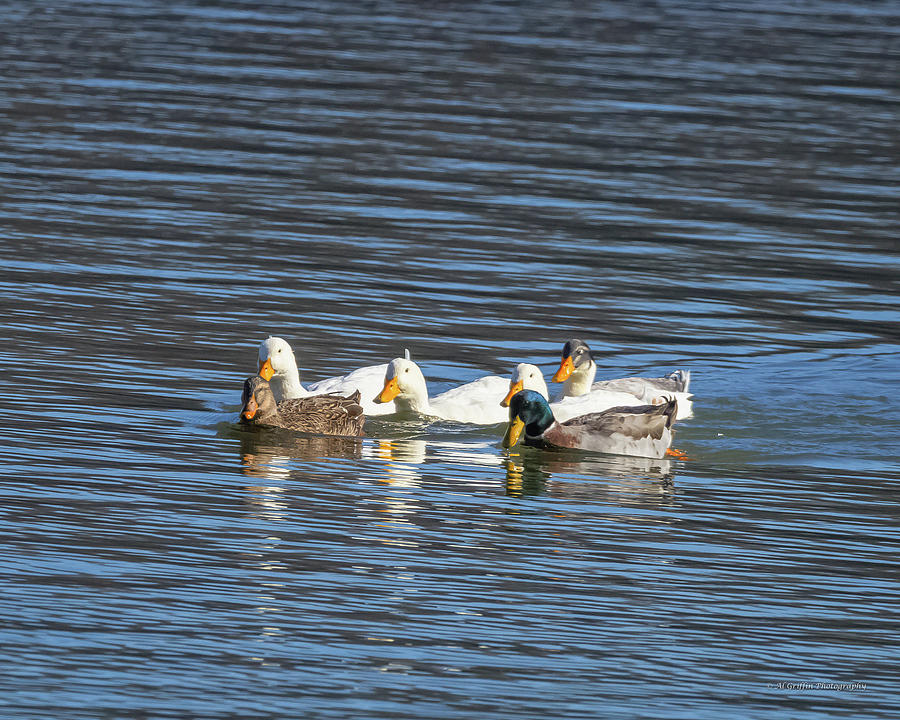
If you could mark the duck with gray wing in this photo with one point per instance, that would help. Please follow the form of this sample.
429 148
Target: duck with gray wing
320 414
577 370
642 431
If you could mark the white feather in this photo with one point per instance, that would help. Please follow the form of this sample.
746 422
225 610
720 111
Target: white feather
477 402
286 379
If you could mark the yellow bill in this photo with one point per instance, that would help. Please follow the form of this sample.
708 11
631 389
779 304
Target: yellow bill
513 432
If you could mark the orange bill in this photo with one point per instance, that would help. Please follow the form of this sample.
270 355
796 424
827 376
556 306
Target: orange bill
514 387
390 391
566 368
265 370
250 408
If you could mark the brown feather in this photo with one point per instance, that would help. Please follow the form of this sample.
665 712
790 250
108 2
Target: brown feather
320 414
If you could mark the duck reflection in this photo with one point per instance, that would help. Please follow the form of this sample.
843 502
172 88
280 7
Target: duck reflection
267 452
401 451
266 502
525 478
401 458
400 472
627 480
269 456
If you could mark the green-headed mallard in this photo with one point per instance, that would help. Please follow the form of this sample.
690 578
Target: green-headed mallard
530 377
643 430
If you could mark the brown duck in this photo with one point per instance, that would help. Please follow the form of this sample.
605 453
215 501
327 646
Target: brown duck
321 414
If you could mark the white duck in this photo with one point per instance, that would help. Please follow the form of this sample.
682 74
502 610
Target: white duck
529 377
278 366
577 370
474 402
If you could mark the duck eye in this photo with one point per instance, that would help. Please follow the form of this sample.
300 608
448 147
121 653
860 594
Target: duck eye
279 349
406 370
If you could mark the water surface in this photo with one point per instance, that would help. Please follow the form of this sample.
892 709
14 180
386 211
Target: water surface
682 186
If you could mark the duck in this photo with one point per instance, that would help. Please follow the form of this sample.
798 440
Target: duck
319 414
526 376
577 370
641 431
278 365
474 402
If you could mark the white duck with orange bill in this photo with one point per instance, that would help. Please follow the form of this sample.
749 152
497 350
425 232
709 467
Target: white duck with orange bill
278 366
475 402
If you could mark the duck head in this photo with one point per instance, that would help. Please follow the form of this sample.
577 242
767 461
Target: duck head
276 359
525 377
577 368
257 401
575 355
405 385
528 411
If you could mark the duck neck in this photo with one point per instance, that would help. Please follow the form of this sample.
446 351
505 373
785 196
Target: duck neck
580 381
266 407
539 425
413 403
286 385
268 415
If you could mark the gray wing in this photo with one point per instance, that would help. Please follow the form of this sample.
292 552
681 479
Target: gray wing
634 422
676 381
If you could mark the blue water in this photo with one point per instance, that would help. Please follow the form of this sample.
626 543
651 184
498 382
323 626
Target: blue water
683 186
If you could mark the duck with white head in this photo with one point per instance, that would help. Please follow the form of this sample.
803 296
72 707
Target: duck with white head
529 377
474 402
278 366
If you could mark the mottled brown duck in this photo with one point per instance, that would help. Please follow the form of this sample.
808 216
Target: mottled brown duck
320 414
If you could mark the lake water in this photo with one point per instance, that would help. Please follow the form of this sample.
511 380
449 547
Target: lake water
713 189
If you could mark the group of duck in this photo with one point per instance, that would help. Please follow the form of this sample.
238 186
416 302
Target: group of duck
627 416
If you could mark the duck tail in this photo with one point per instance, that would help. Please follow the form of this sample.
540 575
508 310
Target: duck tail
352 406
681 378
670 410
